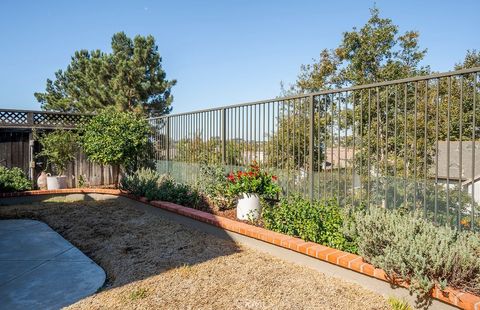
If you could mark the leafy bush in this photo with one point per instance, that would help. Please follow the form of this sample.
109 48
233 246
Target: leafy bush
154 186
182 194
415 249
59 147
117 138
143 182
213 185
253 181
320 221
13 180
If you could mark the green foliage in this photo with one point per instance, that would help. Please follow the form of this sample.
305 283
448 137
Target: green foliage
371 53
213 185
196 150
320 221
179 193
13 180
416 250
148 183
252 181
59 147
131 78
117 138
143 182
398 304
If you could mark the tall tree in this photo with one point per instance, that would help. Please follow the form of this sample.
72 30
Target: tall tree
131 78
373 53
376 52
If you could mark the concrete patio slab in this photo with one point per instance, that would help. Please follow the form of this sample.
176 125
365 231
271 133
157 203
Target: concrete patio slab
39 269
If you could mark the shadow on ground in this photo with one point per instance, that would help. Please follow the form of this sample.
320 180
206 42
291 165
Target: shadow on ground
124 237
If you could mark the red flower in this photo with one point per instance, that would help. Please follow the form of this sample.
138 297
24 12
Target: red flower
231 177
274 177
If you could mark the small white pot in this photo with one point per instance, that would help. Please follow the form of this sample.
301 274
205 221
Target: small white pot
56 182
248 207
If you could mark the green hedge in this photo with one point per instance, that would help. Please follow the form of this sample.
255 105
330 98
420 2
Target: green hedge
147 183
321 221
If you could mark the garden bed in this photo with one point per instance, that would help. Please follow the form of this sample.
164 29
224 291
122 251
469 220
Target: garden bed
346 260
150 261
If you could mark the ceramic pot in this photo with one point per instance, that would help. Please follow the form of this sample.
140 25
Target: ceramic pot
42 180
248 207
56 182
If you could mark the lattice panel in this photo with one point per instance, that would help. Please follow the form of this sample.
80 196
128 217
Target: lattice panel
62 120
13 118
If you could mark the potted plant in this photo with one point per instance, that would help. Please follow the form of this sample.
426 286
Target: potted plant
58 148
249 186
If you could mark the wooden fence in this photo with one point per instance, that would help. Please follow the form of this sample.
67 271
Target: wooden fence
18 147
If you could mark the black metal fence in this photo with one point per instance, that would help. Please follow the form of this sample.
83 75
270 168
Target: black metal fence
407 144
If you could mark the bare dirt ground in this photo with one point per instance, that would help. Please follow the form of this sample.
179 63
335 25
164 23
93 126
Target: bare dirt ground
152 263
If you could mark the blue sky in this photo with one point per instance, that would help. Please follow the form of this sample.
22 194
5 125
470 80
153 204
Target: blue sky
221 52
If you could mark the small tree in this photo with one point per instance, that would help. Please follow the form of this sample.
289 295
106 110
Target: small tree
59 148
116 138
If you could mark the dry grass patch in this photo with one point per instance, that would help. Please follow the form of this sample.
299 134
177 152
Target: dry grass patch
153 263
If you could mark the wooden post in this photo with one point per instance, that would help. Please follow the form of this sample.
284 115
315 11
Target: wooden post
31 158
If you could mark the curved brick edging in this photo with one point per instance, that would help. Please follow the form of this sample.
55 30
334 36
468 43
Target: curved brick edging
343 259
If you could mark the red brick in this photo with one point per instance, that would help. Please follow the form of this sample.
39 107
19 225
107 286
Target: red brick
333 257
324 254
367 269
356 263
382 275
303 248
312 251
345 260
294 243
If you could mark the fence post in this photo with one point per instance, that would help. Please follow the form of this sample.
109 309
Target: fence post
167 140
30 118
311 147
224 136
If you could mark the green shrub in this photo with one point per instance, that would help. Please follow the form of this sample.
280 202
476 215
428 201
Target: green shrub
13 180
320 221
148 183
143 182
117 138
59 147
213 185
415 249
182 194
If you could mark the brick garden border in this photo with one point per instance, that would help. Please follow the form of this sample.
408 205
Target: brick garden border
336 257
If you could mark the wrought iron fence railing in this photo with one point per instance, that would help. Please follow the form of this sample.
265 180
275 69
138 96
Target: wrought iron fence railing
408 144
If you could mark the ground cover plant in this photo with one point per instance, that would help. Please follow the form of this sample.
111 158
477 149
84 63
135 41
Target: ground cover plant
13 180
321 221
406 245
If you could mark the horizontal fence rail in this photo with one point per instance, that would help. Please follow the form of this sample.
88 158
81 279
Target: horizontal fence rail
40 119
408 144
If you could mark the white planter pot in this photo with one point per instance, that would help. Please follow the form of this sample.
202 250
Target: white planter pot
248 207
56 182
